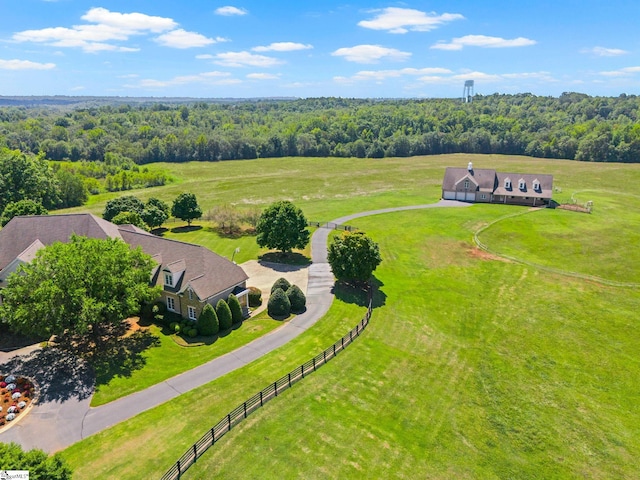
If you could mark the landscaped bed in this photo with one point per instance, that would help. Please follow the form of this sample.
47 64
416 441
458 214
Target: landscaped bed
16 396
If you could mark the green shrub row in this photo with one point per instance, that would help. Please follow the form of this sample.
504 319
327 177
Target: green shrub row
285 299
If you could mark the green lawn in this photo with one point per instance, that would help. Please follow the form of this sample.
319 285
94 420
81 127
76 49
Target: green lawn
470 368
120 377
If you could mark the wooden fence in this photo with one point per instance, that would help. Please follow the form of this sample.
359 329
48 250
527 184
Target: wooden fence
285 382
333 226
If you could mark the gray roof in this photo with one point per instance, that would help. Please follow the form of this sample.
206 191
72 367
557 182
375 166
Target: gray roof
545 181
22 231
484 178
208 272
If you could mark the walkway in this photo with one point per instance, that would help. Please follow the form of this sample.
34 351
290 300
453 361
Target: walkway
58 421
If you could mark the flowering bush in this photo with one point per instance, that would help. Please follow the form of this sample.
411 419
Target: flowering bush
11 416
15 393
11 386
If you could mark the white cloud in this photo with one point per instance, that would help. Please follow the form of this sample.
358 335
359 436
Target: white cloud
209 78
483 41
182 39
604 52
263 76
106 26
402 20
282 47
229 11
245 59
380 75
370 54
24 65
623 72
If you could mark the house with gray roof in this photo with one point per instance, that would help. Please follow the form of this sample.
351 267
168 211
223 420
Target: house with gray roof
190 275
484 185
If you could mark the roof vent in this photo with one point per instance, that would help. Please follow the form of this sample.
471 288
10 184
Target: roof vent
470 167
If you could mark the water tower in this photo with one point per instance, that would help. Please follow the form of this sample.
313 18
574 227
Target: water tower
467 94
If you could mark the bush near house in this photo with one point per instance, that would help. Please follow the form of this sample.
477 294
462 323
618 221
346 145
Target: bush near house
236 309
255 297
297 299
281 283
225 319
279 304
208 321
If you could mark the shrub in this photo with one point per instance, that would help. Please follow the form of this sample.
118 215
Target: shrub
223 311
193 332
281 283
279 304
177 328
172 326
297 299
255 297
208 321
159 307
236 309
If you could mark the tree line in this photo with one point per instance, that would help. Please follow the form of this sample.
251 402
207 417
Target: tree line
571 126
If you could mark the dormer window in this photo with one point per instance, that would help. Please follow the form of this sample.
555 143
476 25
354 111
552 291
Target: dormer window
536 185
168 279
521 184
507 183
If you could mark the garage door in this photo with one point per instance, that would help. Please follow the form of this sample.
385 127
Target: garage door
449 195
460 196
470 197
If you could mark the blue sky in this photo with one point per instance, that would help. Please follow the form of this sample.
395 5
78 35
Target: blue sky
299 48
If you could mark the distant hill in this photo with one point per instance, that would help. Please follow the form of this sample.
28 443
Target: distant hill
75 101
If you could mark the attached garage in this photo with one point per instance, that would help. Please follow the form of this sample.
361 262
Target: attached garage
449 195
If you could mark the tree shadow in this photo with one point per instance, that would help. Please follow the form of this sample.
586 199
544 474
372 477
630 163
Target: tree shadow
357 293
289 258
122 357
10 341
186 229
59 374
160 231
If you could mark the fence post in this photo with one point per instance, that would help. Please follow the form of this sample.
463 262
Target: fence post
350 335
179 469
229 422
289 376
302 366
245 409
195 453
342 340
261 398
314 364
213 436
324 354
275 387
334 349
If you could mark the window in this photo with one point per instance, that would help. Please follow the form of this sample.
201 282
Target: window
521 185
466 184
171 304
192 313
168 279
507 183
536 185
483 196
190 294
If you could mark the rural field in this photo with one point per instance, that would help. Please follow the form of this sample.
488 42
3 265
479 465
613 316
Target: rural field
473 366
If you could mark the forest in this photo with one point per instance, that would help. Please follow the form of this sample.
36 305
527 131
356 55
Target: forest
571 126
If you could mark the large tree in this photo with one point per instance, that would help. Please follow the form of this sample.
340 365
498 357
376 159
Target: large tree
282 226
353 257
126 203
78 287
185 207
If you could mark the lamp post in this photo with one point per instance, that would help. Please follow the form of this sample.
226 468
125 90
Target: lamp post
237 250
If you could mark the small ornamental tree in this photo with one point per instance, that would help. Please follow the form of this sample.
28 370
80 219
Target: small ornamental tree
185 207
208 321
153 216
297 299
279 304
282 226
353 257
281 283
236 309
126 203
22 207
224 315
156 202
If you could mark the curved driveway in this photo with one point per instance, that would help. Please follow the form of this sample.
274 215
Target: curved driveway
58 422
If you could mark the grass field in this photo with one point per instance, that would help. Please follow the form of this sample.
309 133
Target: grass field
472 367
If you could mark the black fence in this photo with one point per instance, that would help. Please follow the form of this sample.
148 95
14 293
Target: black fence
241 412
333 226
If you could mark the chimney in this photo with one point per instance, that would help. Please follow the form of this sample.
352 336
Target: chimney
470 167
